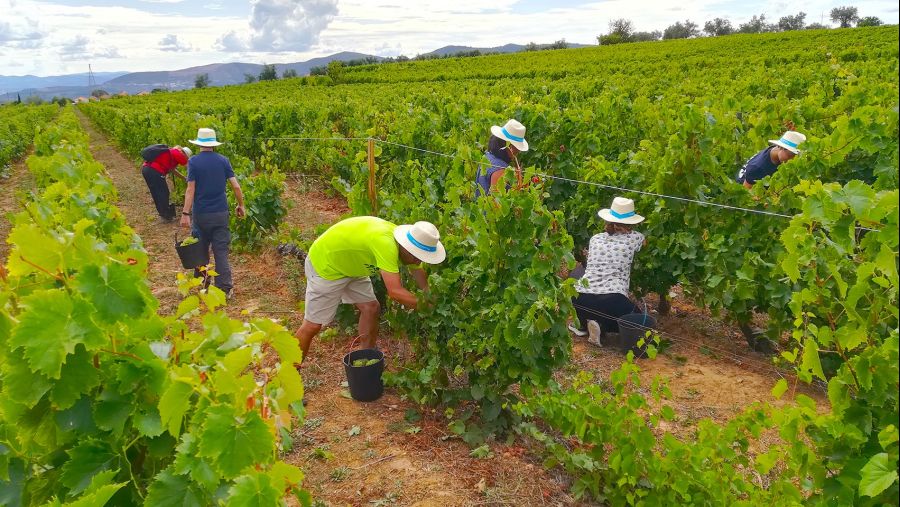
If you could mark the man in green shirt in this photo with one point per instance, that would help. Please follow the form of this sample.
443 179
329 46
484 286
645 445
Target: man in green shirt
343 258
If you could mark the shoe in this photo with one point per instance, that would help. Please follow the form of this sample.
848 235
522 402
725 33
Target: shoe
577 332
594 333
229 294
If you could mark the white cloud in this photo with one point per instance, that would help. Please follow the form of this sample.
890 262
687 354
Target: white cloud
171 43
82 48
282 26
25 29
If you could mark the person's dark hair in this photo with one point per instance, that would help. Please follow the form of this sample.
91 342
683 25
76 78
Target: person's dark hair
497 148
615 228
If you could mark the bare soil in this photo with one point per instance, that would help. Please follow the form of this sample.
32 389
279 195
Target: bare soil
389 452
16 181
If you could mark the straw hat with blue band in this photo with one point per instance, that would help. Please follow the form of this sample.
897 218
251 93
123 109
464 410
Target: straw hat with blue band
621 212
422 240
206 137
514 132
790 141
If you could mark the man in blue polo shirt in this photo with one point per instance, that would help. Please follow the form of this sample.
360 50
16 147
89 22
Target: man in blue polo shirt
208 173
766 162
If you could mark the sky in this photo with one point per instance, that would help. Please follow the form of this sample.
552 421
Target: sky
44 37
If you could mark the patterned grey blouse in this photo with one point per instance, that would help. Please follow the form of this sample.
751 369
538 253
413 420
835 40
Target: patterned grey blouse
609 263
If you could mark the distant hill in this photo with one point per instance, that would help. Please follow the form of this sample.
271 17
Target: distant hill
16 83
220 74
506 48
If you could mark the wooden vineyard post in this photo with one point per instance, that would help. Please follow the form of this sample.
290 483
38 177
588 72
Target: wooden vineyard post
373 199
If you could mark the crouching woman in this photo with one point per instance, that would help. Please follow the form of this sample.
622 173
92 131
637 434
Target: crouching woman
603 289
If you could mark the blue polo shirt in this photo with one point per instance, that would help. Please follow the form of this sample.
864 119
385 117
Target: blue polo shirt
210 172
757 168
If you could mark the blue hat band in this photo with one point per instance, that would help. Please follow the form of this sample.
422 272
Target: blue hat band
510 136
420 245
206 140
621 215
789 143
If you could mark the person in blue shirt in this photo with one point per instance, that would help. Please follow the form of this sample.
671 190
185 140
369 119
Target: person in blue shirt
504 146
766 162
205 201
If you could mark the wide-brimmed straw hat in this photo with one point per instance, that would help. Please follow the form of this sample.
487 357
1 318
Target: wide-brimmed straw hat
187 151
790 140
514 132
621 212
206 138
422 240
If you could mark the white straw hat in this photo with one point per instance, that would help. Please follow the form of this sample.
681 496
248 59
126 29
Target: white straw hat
514 132
187 151
205 137
790 140
422 240
621 212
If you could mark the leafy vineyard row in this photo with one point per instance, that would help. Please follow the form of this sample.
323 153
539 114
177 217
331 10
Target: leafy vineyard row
670 118
17 129
102 401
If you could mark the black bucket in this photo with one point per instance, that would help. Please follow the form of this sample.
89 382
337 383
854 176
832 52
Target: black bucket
365 381
632 329
192 256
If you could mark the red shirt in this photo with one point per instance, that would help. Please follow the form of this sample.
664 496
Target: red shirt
167 161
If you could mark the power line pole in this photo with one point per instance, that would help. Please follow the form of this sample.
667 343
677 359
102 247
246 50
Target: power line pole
92 83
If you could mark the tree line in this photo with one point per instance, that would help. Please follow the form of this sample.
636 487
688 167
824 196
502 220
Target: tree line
622 30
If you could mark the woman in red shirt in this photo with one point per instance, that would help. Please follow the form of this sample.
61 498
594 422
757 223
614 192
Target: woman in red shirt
155 173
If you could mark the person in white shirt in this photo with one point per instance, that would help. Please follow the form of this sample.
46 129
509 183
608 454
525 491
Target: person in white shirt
603 289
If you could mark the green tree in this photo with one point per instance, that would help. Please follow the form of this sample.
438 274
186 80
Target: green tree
335 70
718 27
288 73
757 24
532 46
201 81
560 44
681 30
845 16
268 73
622 27
870 21
646 36
249 78
795 22
98 93
817 26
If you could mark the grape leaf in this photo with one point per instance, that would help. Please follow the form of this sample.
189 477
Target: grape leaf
169 490
99 492
115 290
78 376
35 245
86 460
173 404
234 442
878 475
22 385
51 324
253 490
188 463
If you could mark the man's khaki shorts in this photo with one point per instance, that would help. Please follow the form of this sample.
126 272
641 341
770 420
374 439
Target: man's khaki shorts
323 296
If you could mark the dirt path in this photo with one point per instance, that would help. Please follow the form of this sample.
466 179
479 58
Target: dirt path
18 179
352 453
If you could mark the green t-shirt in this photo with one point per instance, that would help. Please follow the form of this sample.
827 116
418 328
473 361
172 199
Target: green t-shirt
356 247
